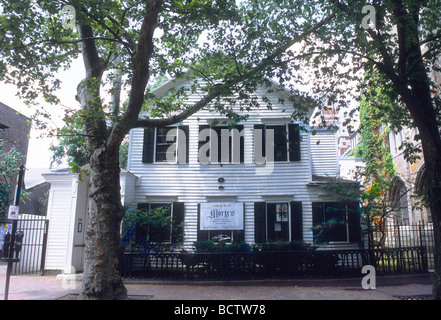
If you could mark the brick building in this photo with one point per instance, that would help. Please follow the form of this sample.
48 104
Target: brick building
15 129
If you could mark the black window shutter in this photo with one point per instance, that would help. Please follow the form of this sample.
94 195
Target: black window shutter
294 142
354 222
202 235
242 143
149 145
238 235
259 222
178 221
296 221
317 219
260 127
186 131
201 143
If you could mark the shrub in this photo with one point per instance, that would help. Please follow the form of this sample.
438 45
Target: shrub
211 246
284 246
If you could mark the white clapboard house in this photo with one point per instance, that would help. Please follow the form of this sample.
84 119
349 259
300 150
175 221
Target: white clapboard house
259 181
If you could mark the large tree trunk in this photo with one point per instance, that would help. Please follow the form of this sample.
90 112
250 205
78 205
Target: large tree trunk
101 278
432 158
421 107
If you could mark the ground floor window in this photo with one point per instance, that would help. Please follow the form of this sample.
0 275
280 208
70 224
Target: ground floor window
157 225
221 222
278 221
335 222
277 215
153 223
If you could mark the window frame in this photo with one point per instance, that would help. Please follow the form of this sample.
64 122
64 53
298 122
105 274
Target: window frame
325 206
289 154
272 223
231 143
170 143
150 145
160 203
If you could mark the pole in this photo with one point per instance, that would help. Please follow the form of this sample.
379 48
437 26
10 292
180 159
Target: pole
18 187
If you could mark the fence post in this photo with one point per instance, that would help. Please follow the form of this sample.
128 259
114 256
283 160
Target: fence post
399 252
43 250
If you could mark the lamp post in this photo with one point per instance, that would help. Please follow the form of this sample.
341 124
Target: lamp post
13 215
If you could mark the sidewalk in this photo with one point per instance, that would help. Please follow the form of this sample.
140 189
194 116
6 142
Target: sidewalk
35 287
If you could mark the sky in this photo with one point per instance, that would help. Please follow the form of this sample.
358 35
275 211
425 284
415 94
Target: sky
39 155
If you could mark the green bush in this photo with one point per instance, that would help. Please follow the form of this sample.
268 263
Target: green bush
284 246
211 246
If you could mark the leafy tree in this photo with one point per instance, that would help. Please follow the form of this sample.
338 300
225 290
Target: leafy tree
231 47
72 147
379 172
9 166
399 41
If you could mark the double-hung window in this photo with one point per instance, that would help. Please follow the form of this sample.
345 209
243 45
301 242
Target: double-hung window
163 222
335 222
166 145
285 140
278 221
221 144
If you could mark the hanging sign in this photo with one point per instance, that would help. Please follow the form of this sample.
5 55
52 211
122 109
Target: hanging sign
221 216
13 212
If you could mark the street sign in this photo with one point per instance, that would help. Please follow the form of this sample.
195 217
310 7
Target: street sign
13 212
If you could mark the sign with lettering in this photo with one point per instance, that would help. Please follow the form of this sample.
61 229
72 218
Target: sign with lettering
221 216
13 212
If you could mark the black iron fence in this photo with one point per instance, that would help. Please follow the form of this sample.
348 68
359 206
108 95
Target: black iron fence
396 235
256 265
395 248
33 250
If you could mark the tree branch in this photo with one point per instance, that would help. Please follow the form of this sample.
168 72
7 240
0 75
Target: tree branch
140 65
219 88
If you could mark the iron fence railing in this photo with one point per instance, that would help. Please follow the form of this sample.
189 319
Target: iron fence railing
33 250
253 265
397 234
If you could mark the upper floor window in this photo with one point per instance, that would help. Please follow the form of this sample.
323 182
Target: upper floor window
166 144
221 144
282 140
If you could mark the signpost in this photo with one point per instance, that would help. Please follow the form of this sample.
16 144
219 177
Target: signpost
13 215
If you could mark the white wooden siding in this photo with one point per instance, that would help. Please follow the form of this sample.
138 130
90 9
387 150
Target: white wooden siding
195 183
324 154
59 226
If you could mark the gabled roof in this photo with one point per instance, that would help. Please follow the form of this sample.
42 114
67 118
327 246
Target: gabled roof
169 84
